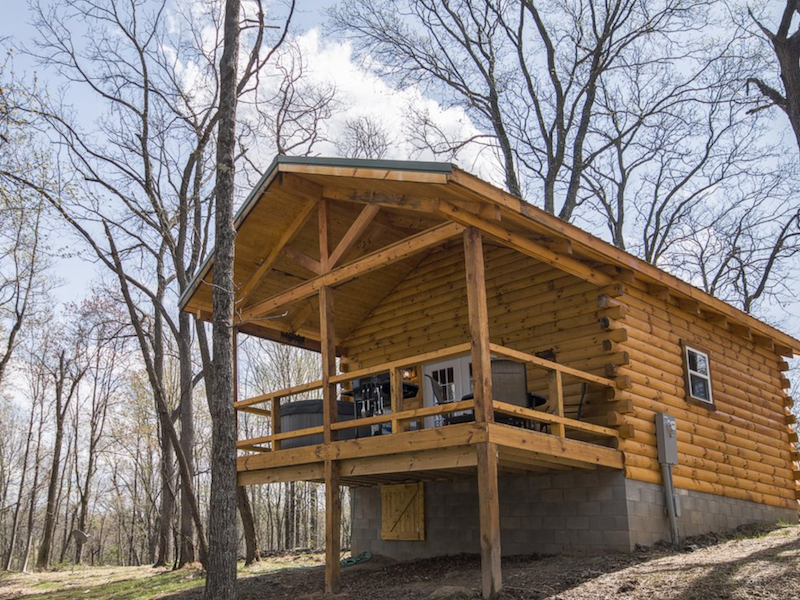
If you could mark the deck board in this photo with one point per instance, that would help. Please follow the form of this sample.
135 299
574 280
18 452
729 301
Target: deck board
441 453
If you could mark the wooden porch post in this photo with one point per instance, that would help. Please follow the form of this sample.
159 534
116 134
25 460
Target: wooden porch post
333 503
328 362
478 325
488 496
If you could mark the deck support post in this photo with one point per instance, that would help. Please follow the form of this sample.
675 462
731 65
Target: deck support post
333 522
333 504
489 505
488 495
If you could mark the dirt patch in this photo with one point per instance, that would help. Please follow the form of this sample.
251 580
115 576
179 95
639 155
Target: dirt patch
750 563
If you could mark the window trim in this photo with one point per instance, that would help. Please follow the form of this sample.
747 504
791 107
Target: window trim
687 373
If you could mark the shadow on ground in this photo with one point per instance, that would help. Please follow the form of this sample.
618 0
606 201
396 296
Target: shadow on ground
758 563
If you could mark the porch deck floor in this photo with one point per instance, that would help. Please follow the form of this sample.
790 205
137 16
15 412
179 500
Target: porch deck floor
440 453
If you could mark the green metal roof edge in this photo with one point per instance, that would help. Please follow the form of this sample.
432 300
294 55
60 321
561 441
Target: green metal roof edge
281 159
367 163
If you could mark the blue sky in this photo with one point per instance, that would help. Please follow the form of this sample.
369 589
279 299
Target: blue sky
330 58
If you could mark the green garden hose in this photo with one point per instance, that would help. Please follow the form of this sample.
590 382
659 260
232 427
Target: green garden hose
354 560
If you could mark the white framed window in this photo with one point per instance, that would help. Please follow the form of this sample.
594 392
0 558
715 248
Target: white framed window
697 368
453 378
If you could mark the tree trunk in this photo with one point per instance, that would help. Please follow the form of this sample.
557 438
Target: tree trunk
23 476
43 557
187 551
167 508
68 522
34 487
249 527
314 517
222 534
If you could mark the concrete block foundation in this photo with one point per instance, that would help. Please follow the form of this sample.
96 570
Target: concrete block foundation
548 514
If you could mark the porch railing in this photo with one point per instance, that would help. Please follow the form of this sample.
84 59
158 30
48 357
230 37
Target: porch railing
398 417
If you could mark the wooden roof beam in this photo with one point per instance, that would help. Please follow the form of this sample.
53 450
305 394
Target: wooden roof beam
415 202
717 319
619 273
763 341
741 330
301 316
302 259
688 305
658 291
371 262
288 235
360 172
559 245
353 234
525 245
278 332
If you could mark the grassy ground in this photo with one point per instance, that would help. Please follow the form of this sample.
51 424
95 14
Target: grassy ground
131 583
761 563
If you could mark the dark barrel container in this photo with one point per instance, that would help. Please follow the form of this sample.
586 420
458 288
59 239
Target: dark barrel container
308 413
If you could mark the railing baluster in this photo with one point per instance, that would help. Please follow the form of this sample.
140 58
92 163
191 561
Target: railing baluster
556 389
275 405
396 390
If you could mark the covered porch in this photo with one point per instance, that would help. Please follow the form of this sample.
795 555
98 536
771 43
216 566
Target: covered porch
326 260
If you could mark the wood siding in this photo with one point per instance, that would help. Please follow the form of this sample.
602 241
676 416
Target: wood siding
532 307
741 449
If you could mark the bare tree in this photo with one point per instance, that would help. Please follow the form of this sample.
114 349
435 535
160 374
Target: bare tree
22 253
144 174
221 572
107 344
38 386
786 47
364 137
634 111
529 73
15 447
65 360
297 108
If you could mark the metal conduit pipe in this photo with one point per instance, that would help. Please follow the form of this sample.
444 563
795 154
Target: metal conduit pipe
670 499
667 440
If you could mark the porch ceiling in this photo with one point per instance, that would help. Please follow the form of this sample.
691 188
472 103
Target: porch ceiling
261 231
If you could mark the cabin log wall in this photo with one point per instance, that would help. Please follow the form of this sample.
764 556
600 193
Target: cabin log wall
740 450
533 307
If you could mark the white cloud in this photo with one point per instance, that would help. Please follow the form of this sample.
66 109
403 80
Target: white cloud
361 93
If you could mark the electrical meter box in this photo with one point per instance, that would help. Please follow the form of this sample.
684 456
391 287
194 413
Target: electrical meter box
667 438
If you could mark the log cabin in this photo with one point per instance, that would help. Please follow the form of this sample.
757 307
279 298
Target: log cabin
493 379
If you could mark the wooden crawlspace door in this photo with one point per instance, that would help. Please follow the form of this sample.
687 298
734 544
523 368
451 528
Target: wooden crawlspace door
403 512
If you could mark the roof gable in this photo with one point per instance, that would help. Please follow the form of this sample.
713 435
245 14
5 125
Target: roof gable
277 243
